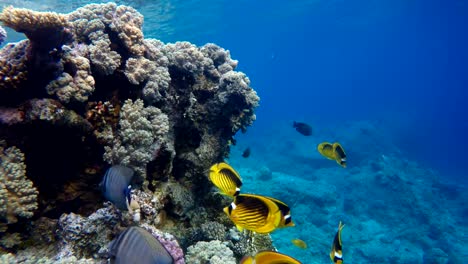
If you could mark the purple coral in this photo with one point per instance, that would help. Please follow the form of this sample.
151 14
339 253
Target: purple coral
169 242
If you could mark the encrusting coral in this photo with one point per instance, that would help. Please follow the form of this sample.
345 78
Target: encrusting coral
18 196
98 94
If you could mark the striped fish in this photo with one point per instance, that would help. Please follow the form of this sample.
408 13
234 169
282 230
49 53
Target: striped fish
286 219
336 253
326 149
268 257
115 186
136 245
255 213
226 179
340 155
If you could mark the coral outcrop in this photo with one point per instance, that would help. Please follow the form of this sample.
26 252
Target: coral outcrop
3 35
18 196
85 91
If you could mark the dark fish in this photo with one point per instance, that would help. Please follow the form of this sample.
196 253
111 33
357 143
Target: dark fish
336 253
136 245
246 153
269 257
340 154
303 128
115 186
225 178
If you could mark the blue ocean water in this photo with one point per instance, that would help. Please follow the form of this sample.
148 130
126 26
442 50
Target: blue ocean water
388 79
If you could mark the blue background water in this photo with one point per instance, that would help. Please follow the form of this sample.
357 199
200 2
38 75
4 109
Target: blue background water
396 66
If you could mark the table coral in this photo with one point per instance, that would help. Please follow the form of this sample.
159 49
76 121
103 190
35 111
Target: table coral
18 196
46 29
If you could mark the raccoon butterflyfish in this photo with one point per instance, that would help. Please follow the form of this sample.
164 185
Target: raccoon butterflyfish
326 149
333 151
299 243
286 219
136 245
115 186
340 155
246 153
255 213
269 257
336 253
303 128
226 179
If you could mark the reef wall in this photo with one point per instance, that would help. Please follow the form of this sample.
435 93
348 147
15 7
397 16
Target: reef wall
86 90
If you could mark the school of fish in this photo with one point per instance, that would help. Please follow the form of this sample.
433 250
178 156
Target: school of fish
251 212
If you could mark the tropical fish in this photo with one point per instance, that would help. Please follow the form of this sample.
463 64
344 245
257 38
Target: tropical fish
299 243
326 149
255 213
303 128
333 151
136 245
336 253
269 257
115 186
340 155
246 153
286 219
226 179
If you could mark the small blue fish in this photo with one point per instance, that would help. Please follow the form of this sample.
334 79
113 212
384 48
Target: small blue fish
136 245
115 186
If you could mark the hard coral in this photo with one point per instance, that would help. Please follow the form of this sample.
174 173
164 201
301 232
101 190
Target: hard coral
139 136
45 29
77 84
18 196
213 252
13 65
157 78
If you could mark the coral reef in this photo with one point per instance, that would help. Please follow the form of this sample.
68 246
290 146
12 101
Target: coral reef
213 252
140 134
18 196
86 91
75 86
3 35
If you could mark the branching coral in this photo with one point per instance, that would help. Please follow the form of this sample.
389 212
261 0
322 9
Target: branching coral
221 58
18 196
138 138
185 56
125 21
157 78
213 252
75 85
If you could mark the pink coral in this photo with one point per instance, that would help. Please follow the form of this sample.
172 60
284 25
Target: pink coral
169 242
